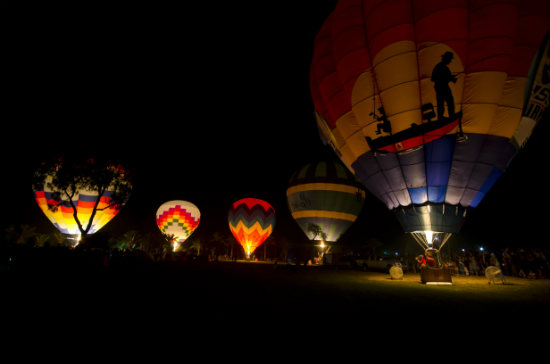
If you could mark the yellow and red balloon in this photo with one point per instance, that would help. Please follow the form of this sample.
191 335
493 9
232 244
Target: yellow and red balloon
178 218
251 221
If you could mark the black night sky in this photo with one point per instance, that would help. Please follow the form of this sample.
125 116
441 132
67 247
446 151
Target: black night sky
203 103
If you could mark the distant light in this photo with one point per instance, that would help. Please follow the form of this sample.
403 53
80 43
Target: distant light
396 253
481 248
463 250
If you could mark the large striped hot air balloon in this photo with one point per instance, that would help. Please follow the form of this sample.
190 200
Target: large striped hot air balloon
179 219
428 101
325 199
251 221
79 199
58 208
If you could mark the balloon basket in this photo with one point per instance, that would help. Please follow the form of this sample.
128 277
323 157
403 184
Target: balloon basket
435 276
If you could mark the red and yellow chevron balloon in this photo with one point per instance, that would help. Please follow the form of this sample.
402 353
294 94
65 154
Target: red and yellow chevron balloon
251 221
178 218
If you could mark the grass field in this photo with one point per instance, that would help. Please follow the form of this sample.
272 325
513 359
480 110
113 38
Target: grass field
320 289
242 304
252 288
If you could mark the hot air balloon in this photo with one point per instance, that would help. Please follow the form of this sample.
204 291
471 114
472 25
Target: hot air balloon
325 199
424 100
251 221
179 219
89 191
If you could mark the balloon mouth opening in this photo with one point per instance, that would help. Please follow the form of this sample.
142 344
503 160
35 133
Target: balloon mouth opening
248 250
429 239
74 240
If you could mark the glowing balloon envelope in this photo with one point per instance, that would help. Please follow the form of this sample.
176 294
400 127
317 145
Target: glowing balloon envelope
324 199
424 100
178 218
58 208
251 221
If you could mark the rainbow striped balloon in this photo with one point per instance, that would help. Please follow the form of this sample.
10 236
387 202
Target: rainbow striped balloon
324 199
178 218
59 209
251 221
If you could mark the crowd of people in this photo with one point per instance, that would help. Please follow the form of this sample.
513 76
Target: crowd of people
530 263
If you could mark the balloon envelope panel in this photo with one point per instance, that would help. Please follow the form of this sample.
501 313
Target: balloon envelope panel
421 99
324 199
251 221
178 218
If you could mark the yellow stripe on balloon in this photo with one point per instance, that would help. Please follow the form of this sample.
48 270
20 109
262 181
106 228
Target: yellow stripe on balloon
327 214
324 187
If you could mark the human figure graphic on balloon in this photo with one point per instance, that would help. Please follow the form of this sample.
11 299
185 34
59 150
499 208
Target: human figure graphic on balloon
435 126
441 76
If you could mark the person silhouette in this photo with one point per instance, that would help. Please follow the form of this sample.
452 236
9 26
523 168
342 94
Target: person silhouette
385 124
441 76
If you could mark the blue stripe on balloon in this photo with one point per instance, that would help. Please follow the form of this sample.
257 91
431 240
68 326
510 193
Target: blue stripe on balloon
436 194
439 155
489 182
418 195
87 198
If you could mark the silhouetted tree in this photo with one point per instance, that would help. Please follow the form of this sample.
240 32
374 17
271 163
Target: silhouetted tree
194 244
270 241
129 240
222 243
41 240
284 245
57 238
316 231
67 177
21 234
155 245
167 244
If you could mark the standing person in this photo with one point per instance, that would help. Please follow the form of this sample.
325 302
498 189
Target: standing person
462 268
474 267
411 262
421 261
508 264
430 258
441 76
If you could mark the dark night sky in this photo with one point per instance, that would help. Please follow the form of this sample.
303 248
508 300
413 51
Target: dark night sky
207 103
